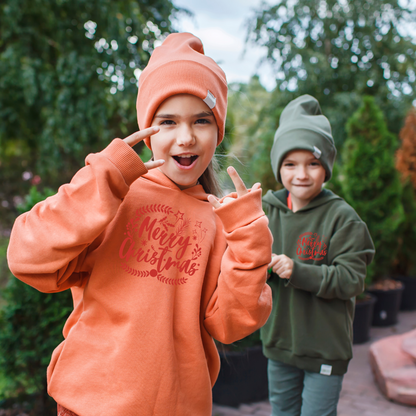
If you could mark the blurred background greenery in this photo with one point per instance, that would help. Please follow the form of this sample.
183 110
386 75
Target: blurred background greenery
68 85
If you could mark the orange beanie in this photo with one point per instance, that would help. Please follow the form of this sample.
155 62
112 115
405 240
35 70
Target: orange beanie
179 66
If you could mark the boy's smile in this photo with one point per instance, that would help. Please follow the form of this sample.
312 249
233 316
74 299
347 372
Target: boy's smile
303 176
187 138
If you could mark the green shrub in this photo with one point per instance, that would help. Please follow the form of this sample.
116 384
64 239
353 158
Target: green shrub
405 263
33 197
30 328
371 183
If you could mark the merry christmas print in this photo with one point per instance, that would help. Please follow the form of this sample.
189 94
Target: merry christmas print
310 246
164 240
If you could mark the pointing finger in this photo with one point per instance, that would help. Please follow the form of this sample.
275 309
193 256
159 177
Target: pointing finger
152 164
237 181
138 136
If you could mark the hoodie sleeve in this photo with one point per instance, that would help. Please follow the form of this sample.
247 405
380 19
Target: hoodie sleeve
350 251
49 244
242 301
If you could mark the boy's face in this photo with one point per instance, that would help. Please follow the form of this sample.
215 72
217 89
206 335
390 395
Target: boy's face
302 175
187 138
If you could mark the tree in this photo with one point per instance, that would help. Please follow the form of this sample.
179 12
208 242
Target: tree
339 50
68 81
406 164
406 155
255 126
371 183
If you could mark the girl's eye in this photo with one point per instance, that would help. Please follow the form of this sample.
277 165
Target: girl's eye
288 164
202 121
315 164
167 122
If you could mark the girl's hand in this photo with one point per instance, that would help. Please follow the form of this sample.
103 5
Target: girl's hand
281 265
137 137
239 187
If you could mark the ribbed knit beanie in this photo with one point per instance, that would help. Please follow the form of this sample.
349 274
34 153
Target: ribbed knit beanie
304 127
179 66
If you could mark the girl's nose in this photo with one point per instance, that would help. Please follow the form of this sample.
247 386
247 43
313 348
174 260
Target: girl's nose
185 136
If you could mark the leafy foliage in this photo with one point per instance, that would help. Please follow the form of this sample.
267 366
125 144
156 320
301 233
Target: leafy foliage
338 51
254 131
406 155
31 325
371 183
33 197
405 263
68 80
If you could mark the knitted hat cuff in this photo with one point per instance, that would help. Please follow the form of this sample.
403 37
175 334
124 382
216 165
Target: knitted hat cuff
313 144
167 76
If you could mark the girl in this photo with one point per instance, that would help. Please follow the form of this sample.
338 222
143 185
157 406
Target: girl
155 271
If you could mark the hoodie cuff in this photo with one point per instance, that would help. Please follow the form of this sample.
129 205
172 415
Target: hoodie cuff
242 211
306 277
126 160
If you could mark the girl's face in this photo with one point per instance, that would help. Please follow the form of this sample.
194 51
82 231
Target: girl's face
187 138
302 175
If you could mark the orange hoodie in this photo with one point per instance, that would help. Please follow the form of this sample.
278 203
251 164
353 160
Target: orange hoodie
155 273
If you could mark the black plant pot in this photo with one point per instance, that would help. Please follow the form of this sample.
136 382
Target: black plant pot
408 302
362 319
242 378
386 308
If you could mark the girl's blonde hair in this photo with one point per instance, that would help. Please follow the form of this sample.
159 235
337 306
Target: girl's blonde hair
209 179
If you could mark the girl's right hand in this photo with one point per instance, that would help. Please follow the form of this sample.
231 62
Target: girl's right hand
137 137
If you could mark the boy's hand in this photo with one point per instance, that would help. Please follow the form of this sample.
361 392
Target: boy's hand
137 137
239 187
281 265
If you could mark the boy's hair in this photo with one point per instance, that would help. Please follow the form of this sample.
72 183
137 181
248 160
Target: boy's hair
303 127
179 66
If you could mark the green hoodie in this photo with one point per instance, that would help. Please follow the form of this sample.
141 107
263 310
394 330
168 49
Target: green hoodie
310 326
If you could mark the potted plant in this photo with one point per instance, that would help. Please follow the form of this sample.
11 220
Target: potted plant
372 186
243 373
363 317
405 265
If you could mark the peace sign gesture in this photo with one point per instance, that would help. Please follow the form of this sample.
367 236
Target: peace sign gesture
239 187
137 137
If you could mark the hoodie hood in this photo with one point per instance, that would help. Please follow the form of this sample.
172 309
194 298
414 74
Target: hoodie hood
278 199
156 176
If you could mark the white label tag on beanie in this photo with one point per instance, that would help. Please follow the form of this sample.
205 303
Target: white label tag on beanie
317 153
210 100
326 369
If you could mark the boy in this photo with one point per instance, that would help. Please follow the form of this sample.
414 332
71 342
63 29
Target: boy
320 252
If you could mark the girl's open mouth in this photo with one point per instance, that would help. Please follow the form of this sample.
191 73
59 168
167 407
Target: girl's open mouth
186 160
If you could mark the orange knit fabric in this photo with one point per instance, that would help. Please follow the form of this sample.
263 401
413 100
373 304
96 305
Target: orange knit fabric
155 273
179 66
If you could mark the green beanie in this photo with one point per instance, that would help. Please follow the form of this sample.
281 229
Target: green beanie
303 127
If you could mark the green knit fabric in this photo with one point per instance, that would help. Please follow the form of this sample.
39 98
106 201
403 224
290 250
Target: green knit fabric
303 127
311 321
